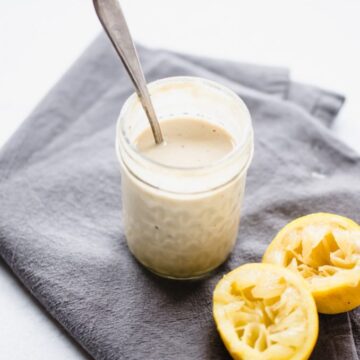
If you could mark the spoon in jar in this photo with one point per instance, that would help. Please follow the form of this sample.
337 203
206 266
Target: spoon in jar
114 24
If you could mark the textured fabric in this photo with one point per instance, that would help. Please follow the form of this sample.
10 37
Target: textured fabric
60 206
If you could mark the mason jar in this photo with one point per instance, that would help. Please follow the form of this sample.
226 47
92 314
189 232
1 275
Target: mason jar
182 222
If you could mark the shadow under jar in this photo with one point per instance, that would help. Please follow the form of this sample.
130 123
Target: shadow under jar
182 222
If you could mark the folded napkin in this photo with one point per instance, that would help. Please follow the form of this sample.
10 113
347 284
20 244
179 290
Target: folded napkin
60 206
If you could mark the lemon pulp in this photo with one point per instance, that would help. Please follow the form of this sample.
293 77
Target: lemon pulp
325 250
265 312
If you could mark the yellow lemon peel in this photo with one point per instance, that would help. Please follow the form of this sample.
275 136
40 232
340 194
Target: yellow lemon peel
325 250
266 312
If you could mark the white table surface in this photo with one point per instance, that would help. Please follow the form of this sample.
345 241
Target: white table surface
39 40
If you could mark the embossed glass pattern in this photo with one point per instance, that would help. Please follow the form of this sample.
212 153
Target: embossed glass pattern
183 222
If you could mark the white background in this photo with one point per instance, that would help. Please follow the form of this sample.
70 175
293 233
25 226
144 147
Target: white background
39 39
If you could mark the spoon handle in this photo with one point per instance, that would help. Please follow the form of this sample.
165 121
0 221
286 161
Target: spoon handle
115 26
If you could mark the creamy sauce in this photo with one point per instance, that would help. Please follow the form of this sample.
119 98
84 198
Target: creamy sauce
179 235
189 142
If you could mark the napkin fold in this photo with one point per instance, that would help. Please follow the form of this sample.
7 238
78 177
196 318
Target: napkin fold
60 206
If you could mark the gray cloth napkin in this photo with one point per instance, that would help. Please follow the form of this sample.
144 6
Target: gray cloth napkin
60 206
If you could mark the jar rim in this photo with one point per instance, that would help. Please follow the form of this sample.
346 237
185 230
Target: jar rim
131 149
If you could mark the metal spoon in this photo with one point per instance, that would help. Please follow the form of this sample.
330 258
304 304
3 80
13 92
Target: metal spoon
114 24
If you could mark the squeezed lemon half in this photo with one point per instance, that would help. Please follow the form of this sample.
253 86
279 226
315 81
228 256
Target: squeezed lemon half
265 312
325 250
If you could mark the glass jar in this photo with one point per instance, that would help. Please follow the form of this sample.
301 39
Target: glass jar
183 222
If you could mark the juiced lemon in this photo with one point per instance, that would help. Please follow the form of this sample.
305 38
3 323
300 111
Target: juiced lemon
325 250
265 312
